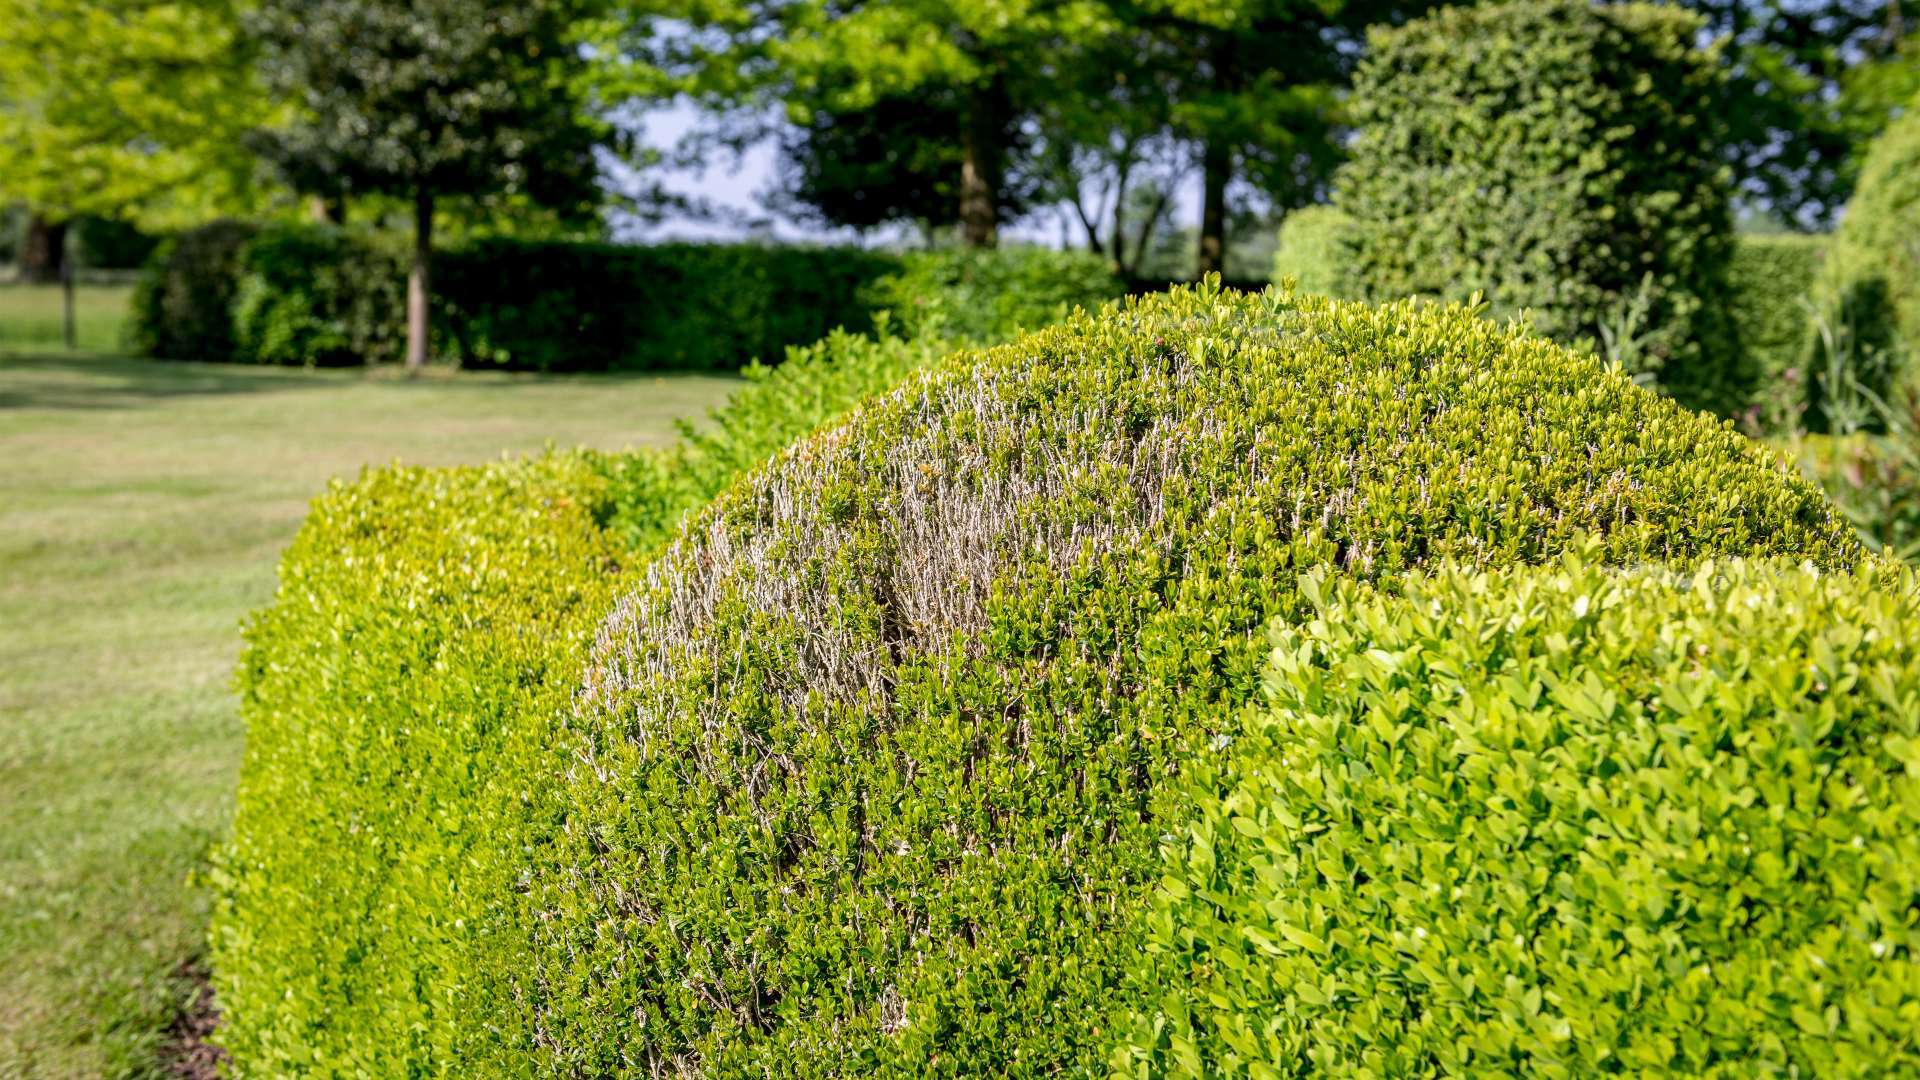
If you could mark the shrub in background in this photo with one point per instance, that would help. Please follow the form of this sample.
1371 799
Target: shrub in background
317 296
182 306
1316 250
1560 157
989 296
1775 282
868 773
1562 822
1877 249
313 295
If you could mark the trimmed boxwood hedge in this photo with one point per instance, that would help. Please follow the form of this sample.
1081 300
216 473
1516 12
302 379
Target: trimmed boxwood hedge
1557 156
868 774
1562 822
426 620
1878 248
423 617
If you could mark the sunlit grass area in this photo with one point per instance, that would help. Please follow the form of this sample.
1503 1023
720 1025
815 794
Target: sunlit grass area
142 508
31 316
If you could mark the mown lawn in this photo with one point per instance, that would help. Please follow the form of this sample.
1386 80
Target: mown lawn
30 316
142 508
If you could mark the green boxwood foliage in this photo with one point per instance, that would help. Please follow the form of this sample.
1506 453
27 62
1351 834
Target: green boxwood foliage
1877 254
1553 154
570 307
1561 822
1774 282
182 304
989 296
1316 250
320 297
426 620
423 615
868 774
654 489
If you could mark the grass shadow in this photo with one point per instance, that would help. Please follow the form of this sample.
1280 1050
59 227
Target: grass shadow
81 381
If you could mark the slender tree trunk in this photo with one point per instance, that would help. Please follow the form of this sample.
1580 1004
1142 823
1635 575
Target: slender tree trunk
43 251
69 332
1216 166
980 168
420 285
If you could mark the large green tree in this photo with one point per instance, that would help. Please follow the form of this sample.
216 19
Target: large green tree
1257 95
430 100
984 65
121 109
1794 132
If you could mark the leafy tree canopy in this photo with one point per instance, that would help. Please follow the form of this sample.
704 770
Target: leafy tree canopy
125 108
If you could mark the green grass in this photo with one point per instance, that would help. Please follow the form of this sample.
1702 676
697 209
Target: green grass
30 316
142 509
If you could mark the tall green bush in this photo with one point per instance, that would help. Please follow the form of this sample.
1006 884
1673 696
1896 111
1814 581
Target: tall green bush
1565 822
1560 157
1775 290
1316 250
182 304
867 774
1877 253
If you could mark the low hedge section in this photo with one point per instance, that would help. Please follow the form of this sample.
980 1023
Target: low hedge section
1564 822
428 620
866 772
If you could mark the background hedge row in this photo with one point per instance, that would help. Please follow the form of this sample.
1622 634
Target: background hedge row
319 296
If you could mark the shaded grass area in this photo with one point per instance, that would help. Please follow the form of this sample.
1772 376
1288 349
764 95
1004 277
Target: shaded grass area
31 318
142 509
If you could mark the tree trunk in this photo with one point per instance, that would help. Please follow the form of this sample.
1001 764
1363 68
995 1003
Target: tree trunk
420 285
980 168
1216 166
43 251
69 331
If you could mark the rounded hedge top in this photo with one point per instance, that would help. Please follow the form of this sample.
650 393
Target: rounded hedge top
1561 822
869 773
